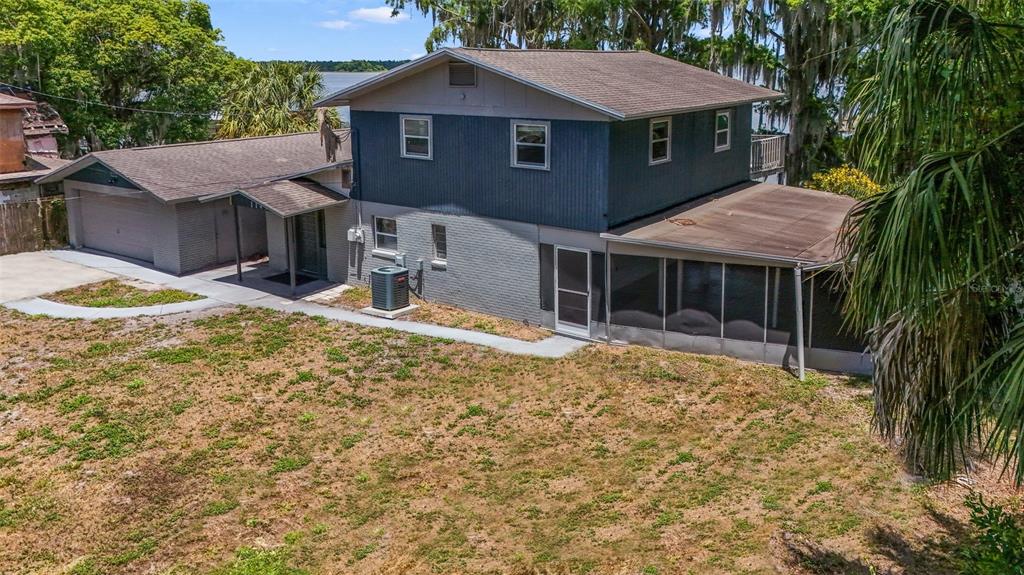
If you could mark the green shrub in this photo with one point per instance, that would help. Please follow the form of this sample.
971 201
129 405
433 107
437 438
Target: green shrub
998 546
845 181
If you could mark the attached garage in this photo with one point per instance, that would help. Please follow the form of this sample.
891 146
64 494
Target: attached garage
119 224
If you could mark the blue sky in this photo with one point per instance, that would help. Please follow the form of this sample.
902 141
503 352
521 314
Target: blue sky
318 29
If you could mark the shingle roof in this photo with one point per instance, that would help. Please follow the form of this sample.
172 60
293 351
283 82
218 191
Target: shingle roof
9 102
621 84
292 197
185 171
778 222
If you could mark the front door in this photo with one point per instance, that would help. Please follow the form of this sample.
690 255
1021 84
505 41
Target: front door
572 291
310 247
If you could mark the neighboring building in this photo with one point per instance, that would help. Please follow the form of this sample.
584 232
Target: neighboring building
177 206
21 161
530 183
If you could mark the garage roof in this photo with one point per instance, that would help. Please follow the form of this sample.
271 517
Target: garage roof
621 84
187 171
767 221
288 198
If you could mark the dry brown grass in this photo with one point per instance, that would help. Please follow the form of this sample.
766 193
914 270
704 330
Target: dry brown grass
165 445
449 316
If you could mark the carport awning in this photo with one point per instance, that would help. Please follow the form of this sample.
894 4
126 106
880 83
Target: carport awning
287 198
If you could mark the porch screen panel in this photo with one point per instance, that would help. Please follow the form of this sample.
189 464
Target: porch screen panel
827 328
782 306
744 302
636 291
693 297
597 304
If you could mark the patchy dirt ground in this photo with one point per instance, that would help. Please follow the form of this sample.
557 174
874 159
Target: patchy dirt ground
250 438
449 316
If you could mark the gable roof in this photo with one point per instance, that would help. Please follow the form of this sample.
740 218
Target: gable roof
620 84
186 171
287 198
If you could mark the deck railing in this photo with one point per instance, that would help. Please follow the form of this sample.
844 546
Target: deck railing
767 154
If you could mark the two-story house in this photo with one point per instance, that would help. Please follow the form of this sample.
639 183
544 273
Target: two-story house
605 195
565 187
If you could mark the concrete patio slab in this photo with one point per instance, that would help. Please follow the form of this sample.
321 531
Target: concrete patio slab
31 274
217 285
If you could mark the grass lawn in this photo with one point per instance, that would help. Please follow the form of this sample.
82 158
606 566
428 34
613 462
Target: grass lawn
255 442
359 297
118 293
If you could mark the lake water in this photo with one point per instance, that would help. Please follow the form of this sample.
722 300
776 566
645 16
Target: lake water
334 81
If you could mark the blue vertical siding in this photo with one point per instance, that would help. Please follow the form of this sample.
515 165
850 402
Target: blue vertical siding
470 172
637 189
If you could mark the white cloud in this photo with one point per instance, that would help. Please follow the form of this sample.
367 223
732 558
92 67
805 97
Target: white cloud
380 15
416 55
334 24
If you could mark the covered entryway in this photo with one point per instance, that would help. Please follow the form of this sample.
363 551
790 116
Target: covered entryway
300 204
118 223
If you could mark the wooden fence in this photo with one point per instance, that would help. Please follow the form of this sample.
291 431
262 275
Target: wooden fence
33 225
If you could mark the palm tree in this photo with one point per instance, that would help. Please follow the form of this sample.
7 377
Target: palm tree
272 98
936 261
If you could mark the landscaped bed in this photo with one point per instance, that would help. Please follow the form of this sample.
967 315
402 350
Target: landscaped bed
359 297
120 293
257 440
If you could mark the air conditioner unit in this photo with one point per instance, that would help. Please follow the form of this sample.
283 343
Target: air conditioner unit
389 286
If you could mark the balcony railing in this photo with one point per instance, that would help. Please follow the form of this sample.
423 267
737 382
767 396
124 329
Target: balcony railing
767 154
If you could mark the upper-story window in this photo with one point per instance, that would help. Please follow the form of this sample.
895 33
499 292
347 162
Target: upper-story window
723 130
661 140
417 133
530 144
461 74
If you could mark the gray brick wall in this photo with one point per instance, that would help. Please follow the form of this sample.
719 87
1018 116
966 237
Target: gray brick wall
197 237
166 255
277 249
493 265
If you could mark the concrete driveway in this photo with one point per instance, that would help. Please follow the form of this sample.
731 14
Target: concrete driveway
32 274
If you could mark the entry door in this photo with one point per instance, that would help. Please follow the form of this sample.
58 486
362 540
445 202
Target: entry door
309 245
572 291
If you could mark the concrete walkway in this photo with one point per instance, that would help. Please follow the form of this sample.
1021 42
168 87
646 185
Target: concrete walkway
214 285
36 306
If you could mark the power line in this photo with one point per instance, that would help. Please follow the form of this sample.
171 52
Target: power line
105 105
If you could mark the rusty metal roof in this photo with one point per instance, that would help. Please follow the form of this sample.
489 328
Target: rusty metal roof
9 102
758 220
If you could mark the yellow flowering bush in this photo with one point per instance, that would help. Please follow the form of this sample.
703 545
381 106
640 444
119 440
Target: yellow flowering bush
844 180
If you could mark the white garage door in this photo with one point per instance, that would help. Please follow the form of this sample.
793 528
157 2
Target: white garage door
117 224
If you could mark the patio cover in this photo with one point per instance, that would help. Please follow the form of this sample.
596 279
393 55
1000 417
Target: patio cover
287 198
759 220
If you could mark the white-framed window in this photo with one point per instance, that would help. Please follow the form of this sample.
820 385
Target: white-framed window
530 144
439 235
385 234
723 130
660 140
461 75
417 136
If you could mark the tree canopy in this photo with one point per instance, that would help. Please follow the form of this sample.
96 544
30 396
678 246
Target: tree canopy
108 65
937 259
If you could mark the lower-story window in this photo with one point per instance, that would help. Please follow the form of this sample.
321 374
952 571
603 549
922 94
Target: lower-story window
385 234
440 239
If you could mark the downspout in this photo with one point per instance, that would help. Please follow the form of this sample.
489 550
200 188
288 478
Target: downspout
798 278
